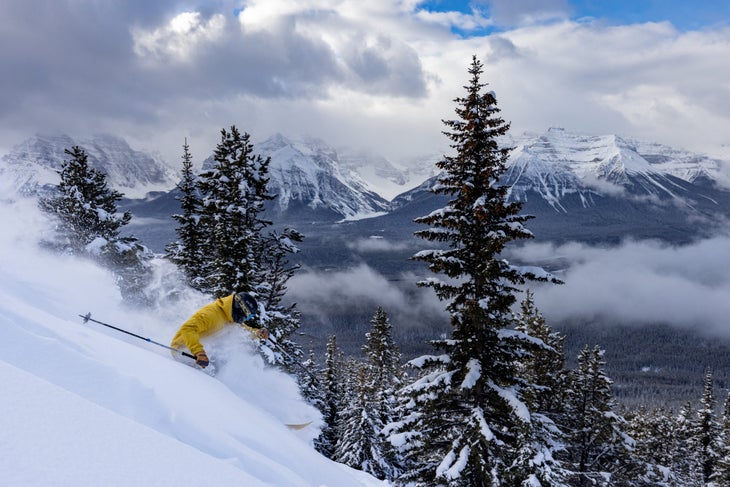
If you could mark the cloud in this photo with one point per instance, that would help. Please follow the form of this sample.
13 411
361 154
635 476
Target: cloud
378 74
639 283
361 290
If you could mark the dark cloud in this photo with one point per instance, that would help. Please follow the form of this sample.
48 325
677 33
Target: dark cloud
70 65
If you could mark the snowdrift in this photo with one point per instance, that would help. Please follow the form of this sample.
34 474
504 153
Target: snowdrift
88 406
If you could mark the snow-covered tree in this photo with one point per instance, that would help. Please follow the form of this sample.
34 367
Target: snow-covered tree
188 252
383 364
655 446
309 383
721 475
371 402
598 449
540 368
89 225
707 430
543 362
332 385
686 463
359 444
274 274
467 408
233 195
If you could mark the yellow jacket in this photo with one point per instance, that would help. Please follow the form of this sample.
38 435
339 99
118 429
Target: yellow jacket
207 320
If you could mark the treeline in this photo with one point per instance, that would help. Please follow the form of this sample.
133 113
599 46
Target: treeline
589 438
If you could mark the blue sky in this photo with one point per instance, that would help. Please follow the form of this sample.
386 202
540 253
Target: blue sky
683 14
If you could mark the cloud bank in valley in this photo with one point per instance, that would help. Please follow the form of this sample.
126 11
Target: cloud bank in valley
636 283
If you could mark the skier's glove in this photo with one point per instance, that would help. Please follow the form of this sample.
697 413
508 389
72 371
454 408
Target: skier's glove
202 359
262 333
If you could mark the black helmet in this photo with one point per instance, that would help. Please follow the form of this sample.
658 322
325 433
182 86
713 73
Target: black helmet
244 308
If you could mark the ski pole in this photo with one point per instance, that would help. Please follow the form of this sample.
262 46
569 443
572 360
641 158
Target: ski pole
87 317
293 360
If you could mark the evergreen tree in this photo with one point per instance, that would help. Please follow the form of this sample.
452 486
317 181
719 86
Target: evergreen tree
384 364
233 195
275 272
686 463
85 206
655 447
467 407
721 475
540 368
359 444
373 403
89 224
188 252
332 385
309 384
597 446
707 431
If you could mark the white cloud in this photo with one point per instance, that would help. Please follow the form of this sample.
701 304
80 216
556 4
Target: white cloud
179 38
640 283
379 74
363 289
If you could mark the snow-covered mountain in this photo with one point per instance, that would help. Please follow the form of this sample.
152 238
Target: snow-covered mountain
311 184
384 177
603 188
559 165
33 164
306 173
88 406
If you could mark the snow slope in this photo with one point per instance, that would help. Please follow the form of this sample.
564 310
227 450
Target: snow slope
86 406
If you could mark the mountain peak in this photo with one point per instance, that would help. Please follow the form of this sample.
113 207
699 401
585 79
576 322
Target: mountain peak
33 165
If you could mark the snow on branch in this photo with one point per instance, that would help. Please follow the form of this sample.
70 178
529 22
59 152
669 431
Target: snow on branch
509 396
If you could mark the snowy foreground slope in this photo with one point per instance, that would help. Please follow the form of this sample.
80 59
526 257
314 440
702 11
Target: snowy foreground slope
85 406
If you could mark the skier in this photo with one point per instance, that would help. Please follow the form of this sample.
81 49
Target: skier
239 308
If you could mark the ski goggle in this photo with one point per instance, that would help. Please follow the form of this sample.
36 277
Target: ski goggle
250 314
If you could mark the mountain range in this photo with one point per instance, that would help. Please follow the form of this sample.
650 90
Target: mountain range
356 211
553 173
33 165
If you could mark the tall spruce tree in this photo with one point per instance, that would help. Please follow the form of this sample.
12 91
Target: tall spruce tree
597 446
655 446
188 252
332 385
85 206
89 224
275 272
686 463
467 410
707 431
384 364
721 475
362 443
542 365
358 443
233 194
